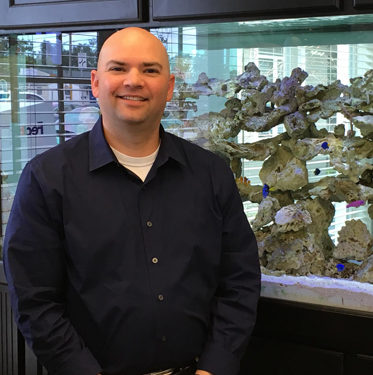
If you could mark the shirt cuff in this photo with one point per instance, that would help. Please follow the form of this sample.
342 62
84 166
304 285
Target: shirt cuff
79 363
218 361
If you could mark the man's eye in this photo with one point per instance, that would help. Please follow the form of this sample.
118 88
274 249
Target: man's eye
151 70
116 69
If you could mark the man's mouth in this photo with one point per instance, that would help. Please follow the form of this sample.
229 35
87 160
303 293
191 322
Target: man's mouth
130 97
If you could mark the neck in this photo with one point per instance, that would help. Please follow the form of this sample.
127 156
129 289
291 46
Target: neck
133 140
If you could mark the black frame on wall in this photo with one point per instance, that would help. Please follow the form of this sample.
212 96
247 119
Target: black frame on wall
179 9
44 13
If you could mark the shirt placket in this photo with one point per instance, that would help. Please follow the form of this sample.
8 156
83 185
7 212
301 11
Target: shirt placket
150 207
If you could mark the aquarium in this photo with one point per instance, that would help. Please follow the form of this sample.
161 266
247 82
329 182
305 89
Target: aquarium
287 103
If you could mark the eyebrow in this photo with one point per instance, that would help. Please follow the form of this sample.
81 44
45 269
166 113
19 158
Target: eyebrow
145 64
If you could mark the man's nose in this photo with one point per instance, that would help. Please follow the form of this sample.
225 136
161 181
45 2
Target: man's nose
133 78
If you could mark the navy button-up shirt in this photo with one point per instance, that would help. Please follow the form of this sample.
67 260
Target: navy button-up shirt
109 273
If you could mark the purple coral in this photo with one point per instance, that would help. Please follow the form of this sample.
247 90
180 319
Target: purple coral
356 204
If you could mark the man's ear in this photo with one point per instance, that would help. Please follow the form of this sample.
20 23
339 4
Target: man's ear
171 85
94 83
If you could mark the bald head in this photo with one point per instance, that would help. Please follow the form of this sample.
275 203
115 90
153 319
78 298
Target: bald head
132 82
136 37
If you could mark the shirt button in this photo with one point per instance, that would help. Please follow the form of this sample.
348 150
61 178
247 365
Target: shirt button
155 260
149 224
160 297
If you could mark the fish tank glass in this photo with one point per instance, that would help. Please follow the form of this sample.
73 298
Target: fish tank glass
287 103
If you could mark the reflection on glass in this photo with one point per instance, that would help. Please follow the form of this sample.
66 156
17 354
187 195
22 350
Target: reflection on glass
45 98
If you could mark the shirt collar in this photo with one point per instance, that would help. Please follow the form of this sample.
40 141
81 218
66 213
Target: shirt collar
170 148
101 154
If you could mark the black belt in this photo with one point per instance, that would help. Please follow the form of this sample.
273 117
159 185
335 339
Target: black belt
188 370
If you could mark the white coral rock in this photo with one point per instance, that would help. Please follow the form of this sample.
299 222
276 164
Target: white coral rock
354 241
292 217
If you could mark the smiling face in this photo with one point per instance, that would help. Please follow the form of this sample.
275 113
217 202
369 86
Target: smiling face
132 80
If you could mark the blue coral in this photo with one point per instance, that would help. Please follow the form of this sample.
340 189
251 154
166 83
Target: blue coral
340 267
325 145
265 191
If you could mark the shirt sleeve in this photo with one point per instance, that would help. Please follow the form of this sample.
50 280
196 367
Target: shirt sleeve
235 302
34 262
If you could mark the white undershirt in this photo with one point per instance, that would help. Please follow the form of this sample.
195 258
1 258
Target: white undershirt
140 165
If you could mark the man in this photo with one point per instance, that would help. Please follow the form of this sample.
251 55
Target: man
127 250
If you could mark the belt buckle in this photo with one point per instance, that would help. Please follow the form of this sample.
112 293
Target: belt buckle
169 371
181 370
